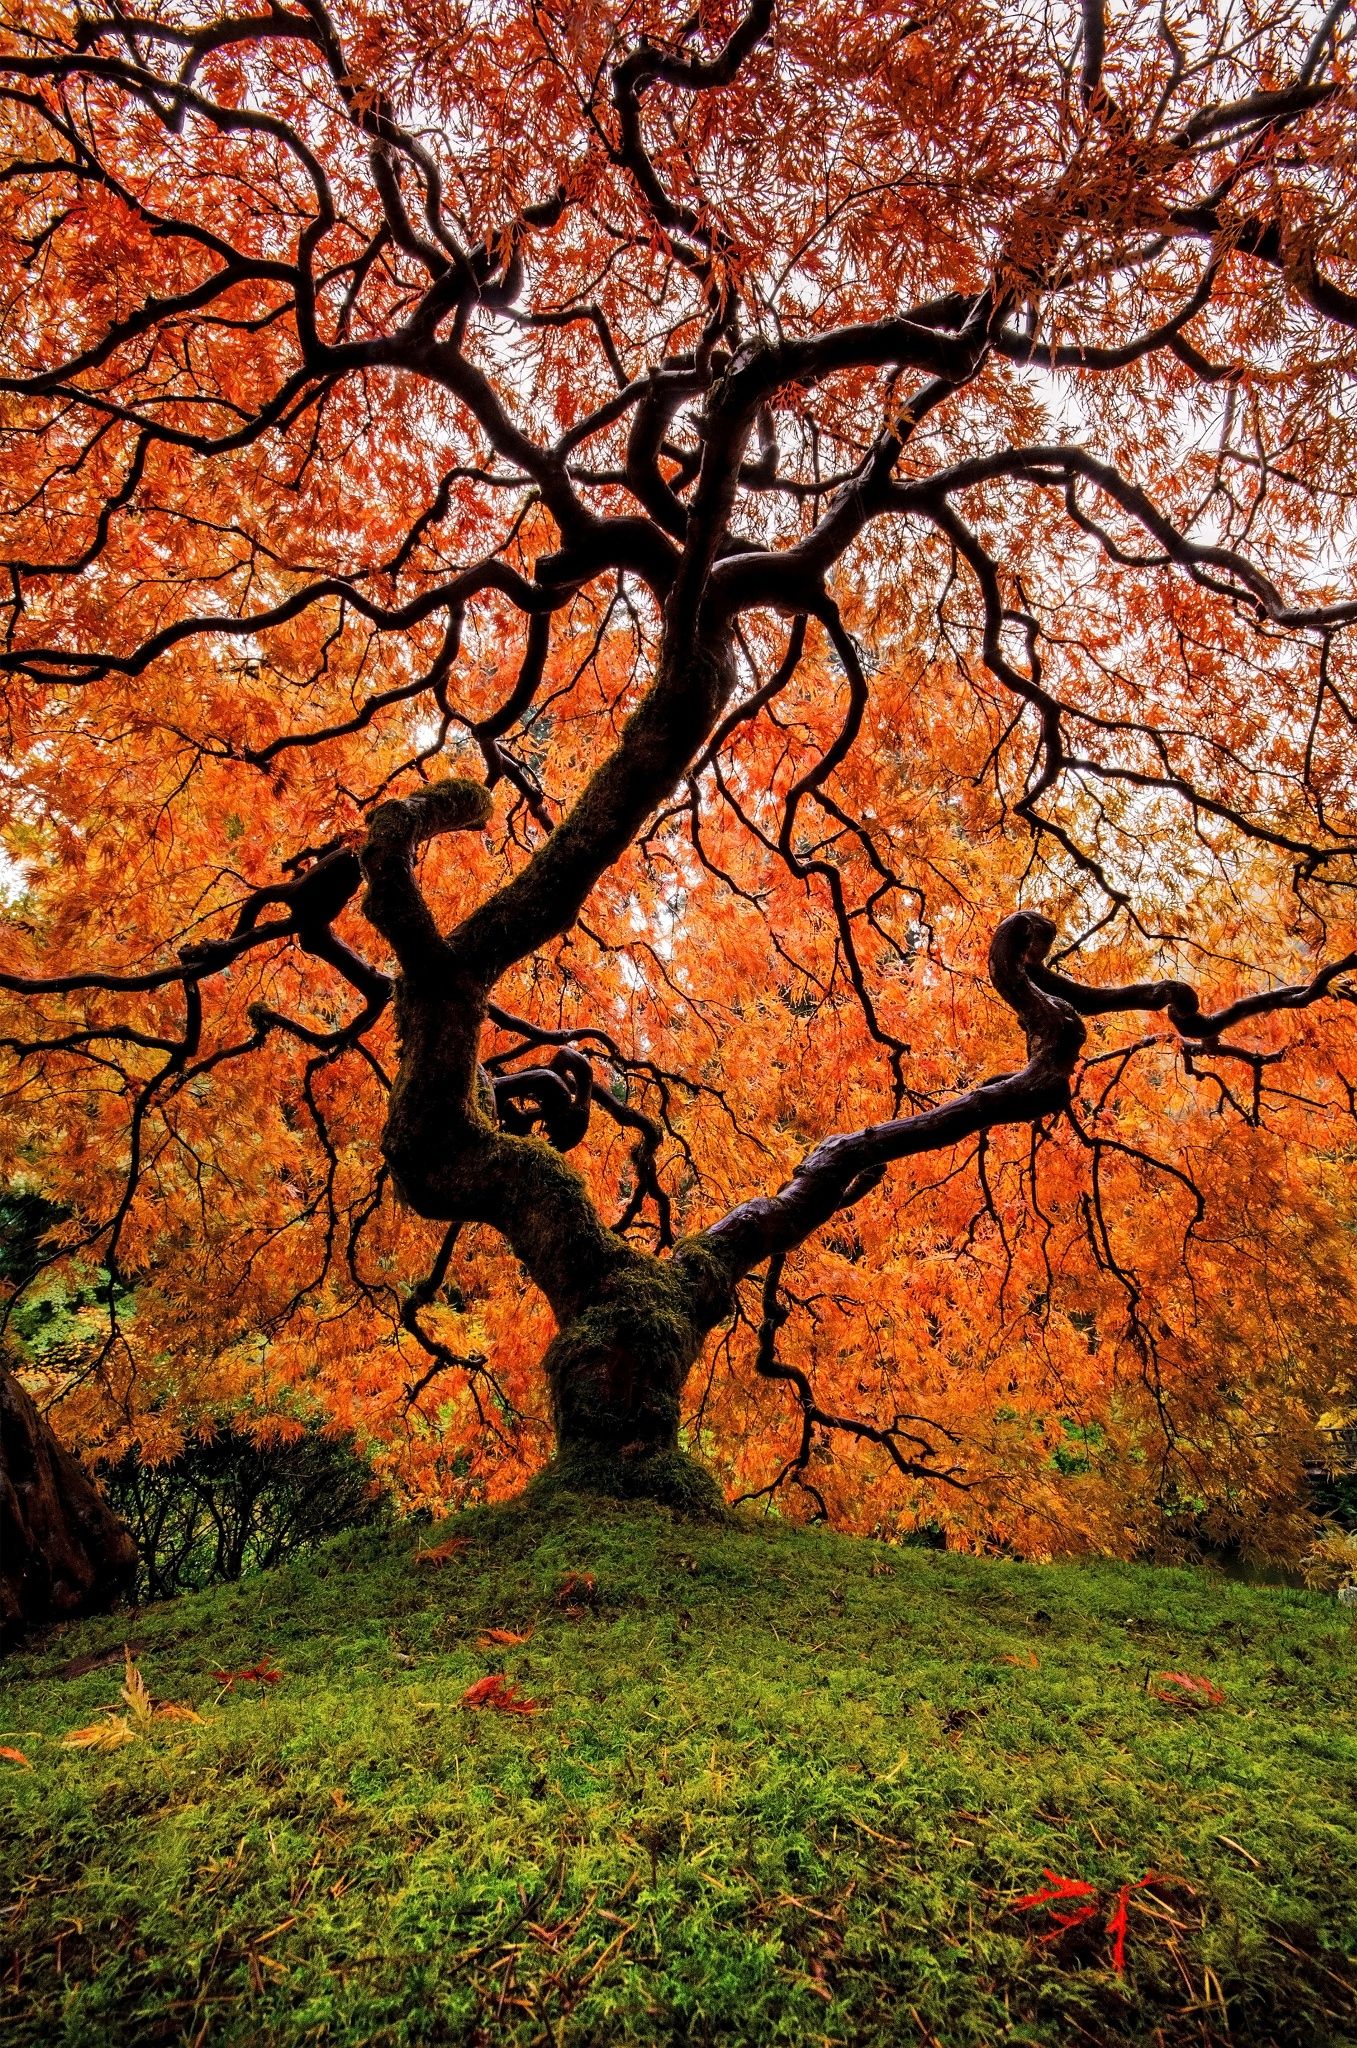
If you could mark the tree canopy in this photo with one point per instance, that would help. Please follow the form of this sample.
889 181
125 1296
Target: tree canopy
672 587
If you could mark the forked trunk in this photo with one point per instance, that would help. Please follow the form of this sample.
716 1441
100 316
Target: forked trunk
630 1327
62 1550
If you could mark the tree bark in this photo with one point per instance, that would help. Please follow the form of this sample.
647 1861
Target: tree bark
630 1326
616 1372
62 1550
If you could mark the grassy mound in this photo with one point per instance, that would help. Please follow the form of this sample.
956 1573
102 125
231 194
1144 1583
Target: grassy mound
783 1787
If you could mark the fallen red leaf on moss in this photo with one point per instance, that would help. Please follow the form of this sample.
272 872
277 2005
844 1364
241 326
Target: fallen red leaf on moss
1181 1689
1055 1893
1058 1893
496 1691
261 1673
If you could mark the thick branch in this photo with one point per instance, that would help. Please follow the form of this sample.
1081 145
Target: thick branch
393 902
1050 1008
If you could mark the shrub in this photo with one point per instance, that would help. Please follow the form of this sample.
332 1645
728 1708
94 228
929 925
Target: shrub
232 1504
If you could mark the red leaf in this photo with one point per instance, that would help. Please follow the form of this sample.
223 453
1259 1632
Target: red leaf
1116 1925
577 1591
261 1673
1056 1888
496 1691
476 1695
1181 1689
1064 1922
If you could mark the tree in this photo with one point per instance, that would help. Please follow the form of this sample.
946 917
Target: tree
62 1550
829 524
233 1505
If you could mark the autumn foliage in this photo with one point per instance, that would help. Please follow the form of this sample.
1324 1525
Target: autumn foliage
835 477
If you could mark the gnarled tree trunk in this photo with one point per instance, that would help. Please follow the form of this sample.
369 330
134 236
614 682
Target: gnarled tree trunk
630 1326
616 1372
62 1550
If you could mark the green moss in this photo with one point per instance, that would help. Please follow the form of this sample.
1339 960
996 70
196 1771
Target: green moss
546 1212
669 1478
784 1789
646 1304
708 1279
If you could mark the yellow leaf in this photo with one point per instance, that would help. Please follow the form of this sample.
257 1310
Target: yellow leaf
170 1712
99 1735
134 1688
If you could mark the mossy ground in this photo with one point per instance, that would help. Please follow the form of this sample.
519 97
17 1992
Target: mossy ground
785 1788
669 1478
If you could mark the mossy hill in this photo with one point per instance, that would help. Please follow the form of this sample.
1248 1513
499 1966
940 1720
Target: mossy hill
783 1787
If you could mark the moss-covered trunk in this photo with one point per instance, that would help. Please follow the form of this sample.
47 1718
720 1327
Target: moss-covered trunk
616 1373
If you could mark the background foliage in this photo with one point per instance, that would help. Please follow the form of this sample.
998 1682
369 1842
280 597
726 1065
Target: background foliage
1123 1326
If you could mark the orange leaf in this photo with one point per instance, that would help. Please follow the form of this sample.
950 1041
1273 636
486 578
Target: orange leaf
476 1695
16 1756
134 1689
442 1552
98 1735
506 1636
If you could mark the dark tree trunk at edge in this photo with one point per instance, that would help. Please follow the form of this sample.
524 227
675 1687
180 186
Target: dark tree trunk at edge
62 1551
